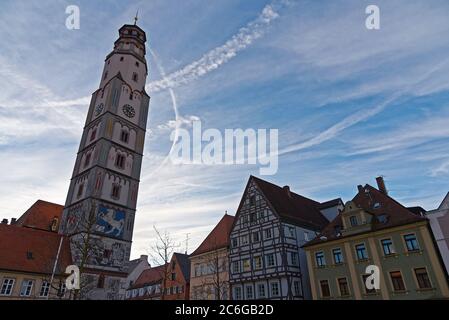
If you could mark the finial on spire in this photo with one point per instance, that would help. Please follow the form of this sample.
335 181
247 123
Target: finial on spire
136 17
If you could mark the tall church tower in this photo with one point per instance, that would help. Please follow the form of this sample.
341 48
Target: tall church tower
101 202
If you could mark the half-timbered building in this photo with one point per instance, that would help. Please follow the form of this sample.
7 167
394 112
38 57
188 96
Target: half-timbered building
271 224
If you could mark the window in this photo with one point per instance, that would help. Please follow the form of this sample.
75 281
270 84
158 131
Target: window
252 200
261 290
325 290
343 286
320 261
274 288
235 267
411 242
234 242
306 236
368 291
173 276
268 234
294 258
100 283
387 246
338 257
296 288
27 287
62 289
423 278
257 263
93 134
360 250
122 58
120 161
135 77
137 63
270 260
87 159
237 293
245 239
249 292
353 221
246 265
115 193
290 232
45 288
256 237
252 217
7 286
397 281
124 136
80 190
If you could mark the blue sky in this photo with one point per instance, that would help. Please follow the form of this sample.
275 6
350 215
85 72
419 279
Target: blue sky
349 103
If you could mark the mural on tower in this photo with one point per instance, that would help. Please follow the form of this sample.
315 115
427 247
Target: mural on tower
110 221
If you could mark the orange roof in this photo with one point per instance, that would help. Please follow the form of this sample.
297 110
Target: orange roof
149 276
32 250
40 215
218 237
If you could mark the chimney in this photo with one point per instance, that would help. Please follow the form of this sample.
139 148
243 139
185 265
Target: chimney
5 221
381 185
144 257
13 220
360 188
287 191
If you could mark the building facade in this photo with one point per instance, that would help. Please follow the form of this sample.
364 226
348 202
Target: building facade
439 223
33 256
374 229
102 197
270 226
209 264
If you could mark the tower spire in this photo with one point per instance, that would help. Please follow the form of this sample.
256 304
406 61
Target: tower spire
136 17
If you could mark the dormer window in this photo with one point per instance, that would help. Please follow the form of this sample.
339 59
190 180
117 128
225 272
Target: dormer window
353 221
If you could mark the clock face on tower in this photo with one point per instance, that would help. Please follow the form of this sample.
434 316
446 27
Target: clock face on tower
99 109
128 111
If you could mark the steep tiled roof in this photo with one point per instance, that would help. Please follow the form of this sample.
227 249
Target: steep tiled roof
40 215
376 203
32 250
218 238
330 203
184 264
149 276
292 207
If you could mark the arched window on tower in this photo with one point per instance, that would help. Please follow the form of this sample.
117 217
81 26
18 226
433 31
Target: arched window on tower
87 160
93 134
115 192
80 190
135 77
120 161
124 136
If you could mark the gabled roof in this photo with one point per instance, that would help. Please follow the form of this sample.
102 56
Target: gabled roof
291 207
218 238
445 203
149 276
376 203
40 215
184 264
330 203
32 250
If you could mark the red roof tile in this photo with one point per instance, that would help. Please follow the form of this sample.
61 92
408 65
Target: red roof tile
32 250
218 237
40 215
149 276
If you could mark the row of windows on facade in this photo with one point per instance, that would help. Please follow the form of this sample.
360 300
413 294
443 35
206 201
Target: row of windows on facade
410 240
261 291
256 236
148 290
245 265
210 293
27 286
209 268
397 283
124 137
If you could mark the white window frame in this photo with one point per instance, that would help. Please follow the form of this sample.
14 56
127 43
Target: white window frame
28 285
7 287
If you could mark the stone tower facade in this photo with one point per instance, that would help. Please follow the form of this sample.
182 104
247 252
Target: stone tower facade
100 208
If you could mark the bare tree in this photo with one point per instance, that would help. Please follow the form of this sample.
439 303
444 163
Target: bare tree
161 253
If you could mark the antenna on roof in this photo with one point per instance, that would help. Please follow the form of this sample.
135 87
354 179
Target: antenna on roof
187 242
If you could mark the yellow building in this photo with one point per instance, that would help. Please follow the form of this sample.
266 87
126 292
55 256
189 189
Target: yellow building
30 266
375 230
